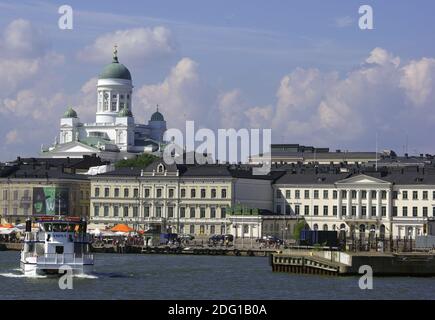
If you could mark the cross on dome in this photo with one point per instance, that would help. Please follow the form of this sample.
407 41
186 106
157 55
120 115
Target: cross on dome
115 53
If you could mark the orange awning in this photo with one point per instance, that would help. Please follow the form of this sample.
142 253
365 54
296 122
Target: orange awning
121 228
6 225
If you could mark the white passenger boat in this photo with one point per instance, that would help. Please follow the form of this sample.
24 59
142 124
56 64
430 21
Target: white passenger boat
57 242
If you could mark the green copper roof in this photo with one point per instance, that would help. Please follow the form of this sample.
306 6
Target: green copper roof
70 113
125 113
157 116
94 141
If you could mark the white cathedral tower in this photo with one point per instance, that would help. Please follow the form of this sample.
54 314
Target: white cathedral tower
114 135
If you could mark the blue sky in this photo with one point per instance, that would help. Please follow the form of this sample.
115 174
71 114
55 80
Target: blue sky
302 68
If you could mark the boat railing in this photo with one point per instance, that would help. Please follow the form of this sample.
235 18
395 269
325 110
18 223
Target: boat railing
42 236
64 258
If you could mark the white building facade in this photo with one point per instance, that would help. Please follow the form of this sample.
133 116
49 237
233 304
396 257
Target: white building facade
398 205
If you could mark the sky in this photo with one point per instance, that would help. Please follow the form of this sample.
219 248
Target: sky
302 68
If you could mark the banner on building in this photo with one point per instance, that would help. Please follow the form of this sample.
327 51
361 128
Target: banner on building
50 201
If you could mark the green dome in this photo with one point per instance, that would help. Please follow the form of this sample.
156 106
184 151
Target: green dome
115 70
70 113
157 116
125 113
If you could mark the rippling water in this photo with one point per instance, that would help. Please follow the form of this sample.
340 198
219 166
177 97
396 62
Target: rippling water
199 277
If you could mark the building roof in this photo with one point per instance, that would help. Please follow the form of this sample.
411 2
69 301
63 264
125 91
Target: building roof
61 168
197 170
403 176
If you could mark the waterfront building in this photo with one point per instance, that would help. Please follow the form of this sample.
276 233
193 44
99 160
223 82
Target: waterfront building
362 201
30 187
282 154
252 223
190 199
114 135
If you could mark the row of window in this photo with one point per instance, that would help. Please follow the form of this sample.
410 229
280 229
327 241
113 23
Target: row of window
316 194
26 195
124 211
26 211
325 212
159 193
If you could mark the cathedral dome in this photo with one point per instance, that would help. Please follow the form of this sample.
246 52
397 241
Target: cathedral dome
125 113
115 70
70 113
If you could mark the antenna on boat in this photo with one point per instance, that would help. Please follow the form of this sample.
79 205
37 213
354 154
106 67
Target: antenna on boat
59 206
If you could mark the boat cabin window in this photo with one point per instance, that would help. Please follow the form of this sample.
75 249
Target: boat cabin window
59 249
62 227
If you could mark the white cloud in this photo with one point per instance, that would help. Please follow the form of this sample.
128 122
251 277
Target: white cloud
23 39
323 108
418 81
137 46
181 96
12 137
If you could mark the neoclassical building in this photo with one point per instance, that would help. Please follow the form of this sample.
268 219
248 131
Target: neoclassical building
397 202
180 198
114 135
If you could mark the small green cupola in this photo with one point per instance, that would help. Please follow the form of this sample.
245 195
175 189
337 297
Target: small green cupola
125 113
70 113
157 116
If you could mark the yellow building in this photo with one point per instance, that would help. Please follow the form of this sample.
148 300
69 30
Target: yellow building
179 198
29 189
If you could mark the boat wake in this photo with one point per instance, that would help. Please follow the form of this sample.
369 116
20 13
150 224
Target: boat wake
14 275
85 276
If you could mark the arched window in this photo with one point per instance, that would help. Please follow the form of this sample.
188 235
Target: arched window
315 227
342 226
160 168
362 228
325 227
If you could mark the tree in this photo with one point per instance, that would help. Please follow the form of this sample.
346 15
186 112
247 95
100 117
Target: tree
142 160
298 228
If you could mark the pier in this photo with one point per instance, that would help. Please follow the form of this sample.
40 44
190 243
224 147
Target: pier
210 251
337 263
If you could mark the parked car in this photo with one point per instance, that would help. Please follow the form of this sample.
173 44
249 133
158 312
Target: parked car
229 237
216 238
185 236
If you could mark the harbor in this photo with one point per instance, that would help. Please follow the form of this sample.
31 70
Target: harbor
335 263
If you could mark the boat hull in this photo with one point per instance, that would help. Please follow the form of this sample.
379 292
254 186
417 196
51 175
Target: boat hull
32 269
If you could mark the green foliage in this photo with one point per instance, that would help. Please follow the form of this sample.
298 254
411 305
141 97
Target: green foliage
142 160
317 247
298 228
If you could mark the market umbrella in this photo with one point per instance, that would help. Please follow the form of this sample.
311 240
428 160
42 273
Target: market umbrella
122 228
6 226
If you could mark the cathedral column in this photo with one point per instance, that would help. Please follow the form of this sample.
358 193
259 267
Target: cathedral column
378 205
369 204
349 203
358 206
339 204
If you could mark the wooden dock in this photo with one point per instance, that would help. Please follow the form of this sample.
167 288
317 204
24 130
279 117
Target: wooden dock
342 263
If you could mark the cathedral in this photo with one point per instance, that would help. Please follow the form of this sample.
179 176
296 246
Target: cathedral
114 135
